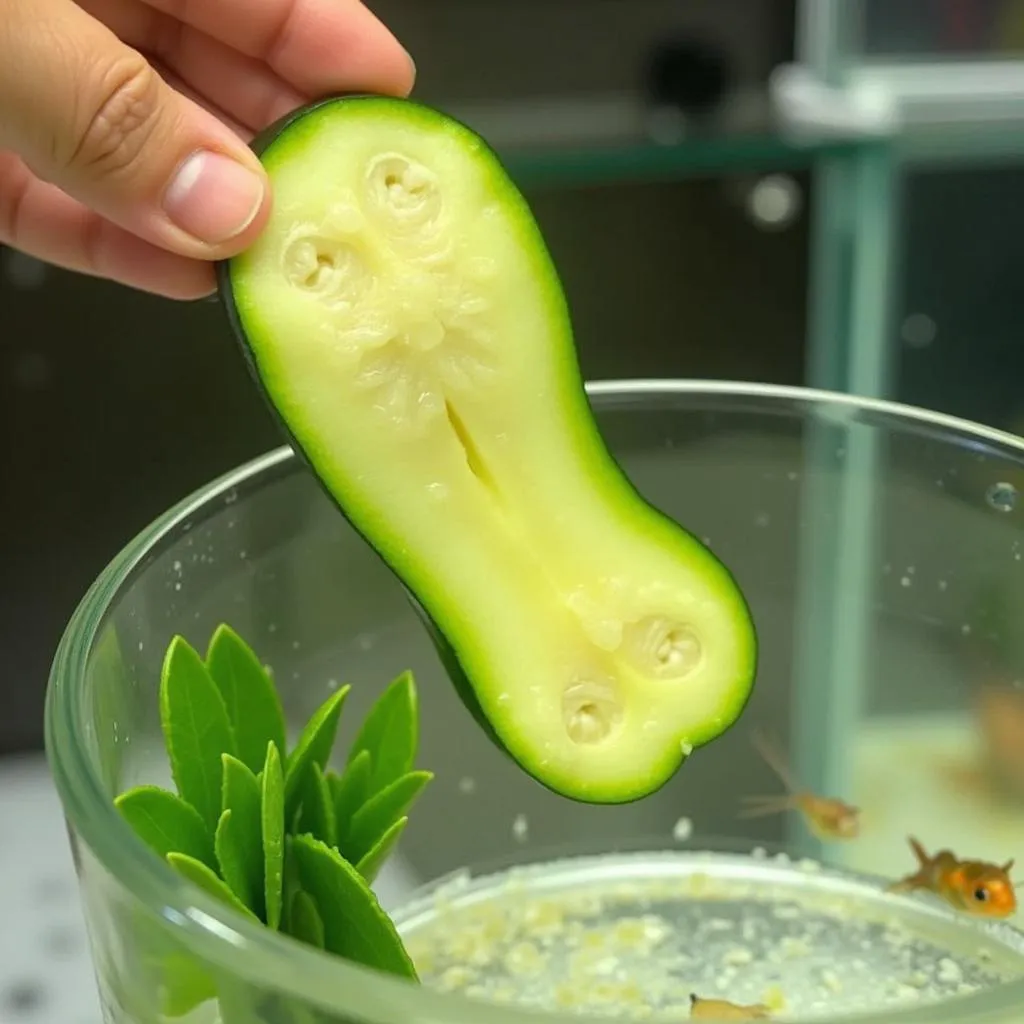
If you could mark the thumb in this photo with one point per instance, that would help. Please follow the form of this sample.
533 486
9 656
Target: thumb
89 114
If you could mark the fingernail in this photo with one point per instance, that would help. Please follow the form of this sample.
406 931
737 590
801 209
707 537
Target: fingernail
412 64
212 197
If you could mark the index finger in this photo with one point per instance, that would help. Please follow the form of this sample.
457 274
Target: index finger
319 46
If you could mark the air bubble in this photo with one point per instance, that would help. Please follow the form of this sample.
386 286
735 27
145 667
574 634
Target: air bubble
1002 496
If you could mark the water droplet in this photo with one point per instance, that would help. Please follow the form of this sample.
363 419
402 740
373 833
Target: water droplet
774 202
943 584
682 830
1002 496
965 629
792 475
762 519
904 581
918 330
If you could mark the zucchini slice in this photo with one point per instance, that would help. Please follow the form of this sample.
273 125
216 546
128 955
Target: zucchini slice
403 317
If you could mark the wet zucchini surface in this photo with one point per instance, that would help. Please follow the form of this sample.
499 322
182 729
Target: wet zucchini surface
404 318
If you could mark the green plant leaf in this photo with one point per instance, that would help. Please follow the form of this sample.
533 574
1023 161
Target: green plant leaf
243 833
196 729
374 859
370 823
350 790
317 814
313 747
306 923
390 733
166 823
273 835
185 985
199 874
355 926
234 856
253 705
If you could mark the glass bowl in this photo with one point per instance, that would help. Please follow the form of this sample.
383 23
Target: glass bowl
879 547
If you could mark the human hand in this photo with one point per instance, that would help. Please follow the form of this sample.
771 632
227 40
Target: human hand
122 123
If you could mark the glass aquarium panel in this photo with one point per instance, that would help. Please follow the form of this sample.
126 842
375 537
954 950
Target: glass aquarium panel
957 301
914 715
957 28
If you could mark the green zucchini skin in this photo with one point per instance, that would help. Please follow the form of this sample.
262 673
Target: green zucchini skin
448 654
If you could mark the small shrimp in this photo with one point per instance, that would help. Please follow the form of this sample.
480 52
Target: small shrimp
973 886
827 817
720 1009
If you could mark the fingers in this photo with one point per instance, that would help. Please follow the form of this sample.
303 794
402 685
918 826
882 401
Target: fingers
242 85
90 114
38 219
245 88
319 46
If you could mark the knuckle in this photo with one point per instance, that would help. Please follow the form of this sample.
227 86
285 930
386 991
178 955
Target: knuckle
119 118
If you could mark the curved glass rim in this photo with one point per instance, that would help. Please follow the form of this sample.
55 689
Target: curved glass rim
265 958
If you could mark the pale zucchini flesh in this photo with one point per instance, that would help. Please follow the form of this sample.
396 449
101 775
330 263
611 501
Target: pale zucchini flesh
406 322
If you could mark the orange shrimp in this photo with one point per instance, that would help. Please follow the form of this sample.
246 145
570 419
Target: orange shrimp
720 1009
973 886
827 817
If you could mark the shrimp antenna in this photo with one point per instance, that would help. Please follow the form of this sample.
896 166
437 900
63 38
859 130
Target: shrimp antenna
774 758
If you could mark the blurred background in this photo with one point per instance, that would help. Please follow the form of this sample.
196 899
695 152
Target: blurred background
716 204
819 192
